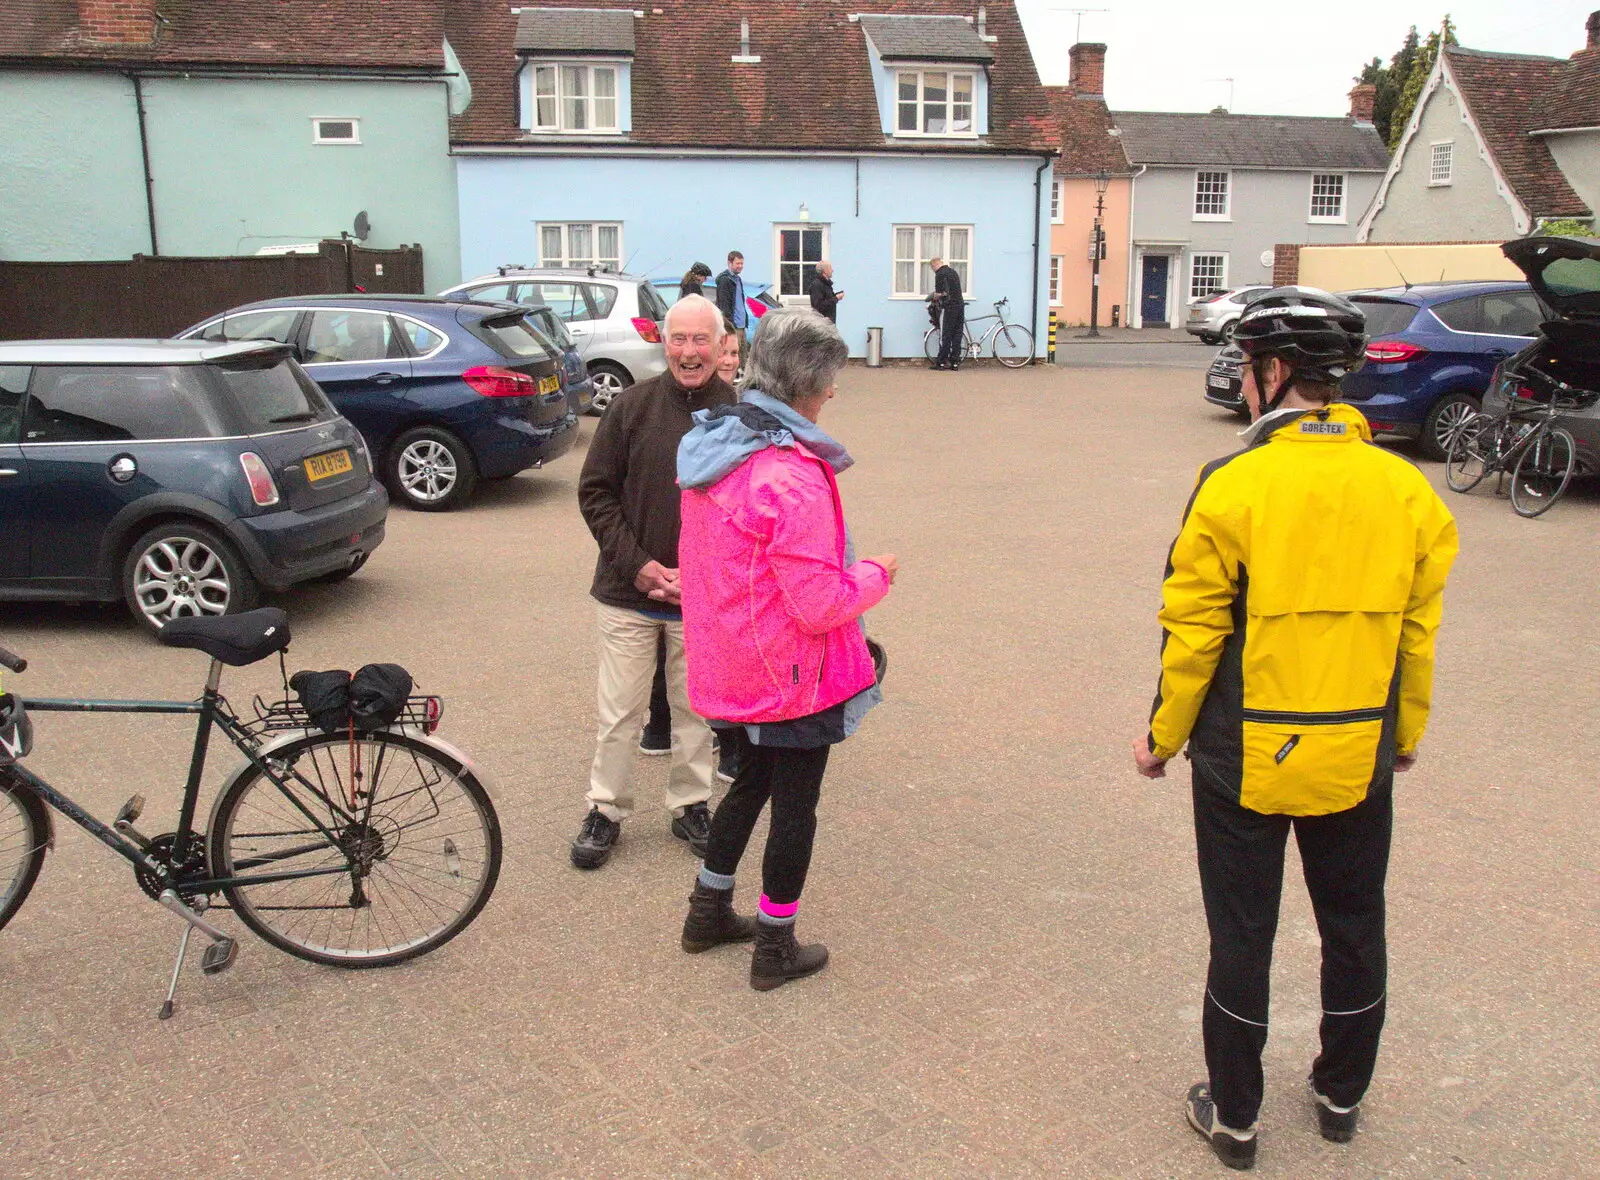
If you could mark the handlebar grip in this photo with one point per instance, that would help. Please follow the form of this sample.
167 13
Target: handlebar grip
12 663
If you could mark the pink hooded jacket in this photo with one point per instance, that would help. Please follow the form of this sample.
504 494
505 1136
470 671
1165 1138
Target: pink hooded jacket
770 608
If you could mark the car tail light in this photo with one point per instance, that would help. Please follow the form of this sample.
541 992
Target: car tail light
1379 427
1393 352
262 490
647 329
495 381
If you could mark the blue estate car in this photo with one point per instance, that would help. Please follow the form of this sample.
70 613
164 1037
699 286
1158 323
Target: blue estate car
445 393
1434 348
181 476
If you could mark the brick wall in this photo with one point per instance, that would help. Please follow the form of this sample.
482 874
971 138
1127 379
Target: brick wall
123 22
1285 265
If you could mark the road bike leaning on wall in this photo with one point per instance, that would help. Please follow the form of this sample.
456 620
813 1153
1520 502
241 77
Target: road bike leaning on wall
360 847
1522 440
1010 344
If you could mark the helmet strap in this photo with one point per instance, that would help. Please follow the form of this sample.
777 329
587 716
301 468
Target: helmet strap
1276 400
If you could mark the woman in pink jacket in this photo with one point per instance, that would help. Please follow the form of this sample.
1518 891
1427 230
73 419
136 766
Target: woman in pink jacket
772 606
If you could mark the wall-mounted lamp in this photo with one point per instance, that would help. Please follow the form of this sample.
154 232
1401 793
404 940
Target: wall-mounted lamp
805 214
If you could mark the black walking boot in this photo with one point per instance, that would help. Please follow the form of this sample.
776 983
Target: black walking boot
712 922
1337 1123
1237 1149
779 958
694 826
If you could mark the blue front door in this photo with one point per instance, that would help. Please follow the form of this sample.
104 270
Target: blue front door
1153 291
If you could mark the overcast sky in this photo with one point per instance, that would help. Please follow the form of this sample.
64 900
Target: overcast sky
1284 58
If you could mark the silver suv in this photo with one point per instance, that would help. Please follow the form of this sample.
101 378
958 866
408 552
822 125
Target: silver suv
614 319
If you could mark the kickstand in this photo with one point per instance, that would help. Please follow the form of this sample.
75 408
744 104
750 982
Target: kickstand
177 968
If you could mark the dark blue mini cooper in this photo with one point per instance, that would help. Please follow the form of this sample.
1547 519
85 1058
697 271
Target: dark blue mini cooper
184 477
445 393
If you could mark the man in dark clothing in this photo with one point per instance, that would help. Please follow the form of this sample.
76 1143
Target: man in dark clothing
730 292
628 494
952 313
824 299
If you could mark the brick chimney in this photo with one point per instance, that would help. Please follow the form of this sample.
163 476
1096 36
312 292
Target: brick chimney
1362 101
1593 25
120 22
1088 77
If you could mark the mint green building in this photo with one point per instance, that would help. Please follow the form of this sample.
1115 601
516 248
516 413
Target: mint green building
193 136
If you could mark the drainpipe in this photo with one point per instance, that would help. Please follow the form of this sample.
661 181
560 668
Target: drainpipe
144 152
1038 210
1133 289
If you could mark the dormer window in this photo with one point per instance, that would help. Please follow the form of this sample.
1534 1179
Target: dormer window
934 102
574 97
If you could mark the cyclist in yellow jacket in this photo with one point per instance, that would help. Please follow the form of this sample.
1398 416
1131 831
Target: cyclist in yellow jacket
1299 611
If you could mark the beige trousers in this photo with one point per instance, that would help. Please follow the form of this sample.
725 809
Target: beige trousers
627 666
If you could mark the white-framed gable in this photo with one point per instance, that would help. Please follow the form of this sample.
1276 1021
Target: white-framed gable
1442 76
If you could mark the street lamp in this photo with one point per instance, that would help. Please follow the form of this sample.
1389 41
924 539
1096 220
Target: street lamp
1102 181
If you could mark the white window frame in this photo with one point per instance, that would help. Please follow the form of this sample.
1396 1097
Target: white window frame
1227 195
559 96
1437 179
565 261
1222 277
351 140
1058 267
921 73
1058 201
923 277
1342 217
803 299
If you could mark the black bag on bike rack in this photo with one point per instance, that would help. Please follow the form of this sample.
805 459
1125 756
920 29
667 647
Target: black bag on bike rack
326 697
378 695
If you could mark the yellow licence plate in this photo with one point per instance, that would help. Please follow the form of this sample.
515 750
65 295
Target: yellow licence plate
549 384
327 466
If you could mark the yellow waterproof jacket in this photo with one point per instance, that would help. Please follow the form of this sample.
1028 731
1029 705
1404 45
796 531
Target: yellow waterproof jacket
1300 606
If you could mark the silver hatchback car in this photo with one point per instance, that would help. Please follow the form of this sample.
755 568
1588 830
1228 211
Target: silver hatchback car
1214 317
614 319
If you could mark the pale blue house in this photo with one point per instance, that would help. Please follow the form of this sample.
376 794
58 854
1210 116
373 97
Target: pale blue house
648 139
132 127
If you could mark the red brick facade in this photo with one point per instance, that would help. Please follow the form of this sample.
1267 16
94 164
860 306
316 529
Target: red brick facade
121 22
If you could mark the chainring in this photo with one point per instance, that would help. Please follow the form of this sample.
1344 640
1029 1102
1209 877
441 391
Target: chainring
190 866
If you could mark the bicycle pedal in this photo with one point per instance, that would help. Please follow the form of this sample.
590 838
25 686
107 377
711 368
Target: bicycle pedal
131 811
219 956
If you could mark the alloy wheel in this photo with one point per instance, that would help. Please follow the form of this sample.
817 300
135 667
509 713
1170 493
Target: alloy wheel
427 470
180 576
606 386
1452 419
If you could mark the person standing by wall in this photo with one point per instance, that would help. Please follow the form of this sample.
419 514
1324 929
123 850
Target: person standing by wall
772 601
1299 612
730 296
947 298
824 299
693 280
629 498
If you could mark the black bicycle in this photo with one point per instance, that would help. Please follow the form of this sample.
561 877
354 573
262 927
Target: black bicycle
1522 440
352 848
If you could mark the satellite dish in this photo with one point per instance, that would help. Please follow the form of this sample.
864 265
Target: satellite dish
363 227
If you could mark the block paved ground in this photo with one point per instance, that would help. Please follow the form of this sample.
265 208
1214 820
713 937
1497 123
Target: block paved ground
1014 916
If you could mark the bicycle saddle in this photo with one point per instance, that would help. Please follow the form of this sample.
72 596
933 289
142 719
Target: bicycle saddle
236 640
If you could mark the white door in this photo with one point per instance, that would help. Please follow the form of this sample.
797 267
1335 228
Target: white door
796 250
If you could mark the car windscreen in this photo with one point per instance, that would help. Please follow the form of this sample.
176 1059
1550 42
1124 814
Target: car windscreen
513 336
1386 317
272 394
650 303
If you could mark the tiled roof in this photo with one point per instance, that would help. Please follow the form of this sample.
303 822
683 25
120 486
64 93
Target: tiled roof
575 30
812 88
1251 141
1575 102
1087 145
1509 95
926 38
364 34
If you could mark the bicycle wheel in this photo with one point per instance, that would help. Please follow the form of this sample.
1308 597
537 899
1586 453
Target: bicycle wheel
24 832
930 344
1013 346
1469 458
1543 472
419 851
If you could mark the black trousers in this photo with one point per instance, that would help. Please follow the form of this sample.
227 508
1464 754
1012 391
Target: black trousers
660 722
792 779
950 333
1345 858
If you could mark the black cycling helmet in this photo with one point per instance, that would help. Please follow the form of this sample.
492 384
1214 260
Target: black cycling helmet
1321 337
16 731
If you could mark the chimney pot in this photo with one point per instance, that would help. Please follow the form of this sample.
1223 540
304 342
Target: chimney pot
119 22
1088 76
1363 100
